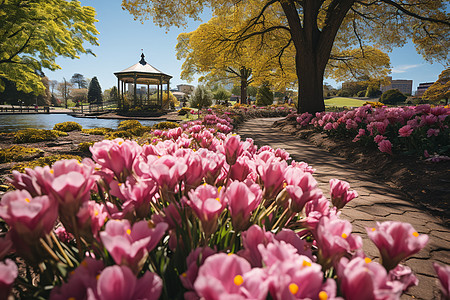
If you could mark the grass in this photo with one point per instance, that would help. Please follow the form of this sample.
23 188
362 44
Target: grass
342 101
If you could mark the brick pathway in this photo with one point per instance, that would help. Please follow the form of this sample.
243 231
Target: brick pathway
377 201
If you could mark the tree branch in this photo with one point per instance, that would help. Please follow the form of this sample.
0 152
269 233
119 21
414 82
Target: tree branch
414 15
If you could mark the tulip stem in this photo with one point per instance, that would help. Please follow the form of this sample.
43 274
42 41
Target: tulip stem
49 250
77 236
278 222
52 234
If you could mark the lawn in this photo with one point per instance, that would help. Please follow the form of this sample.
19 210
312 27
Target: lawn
342 101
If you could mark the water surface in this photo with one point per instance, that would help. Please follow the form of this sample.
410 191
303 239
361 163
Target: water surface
12 122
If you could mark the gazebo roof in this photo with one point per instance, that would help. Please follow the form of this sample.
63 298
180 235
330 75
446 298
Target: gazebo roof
144 73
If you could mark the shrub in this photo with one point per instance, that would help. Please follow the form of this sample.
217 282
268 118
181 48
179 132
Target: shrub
59 133
166 125
184 111
392 97
129 124
84 147
119 134
67 126
372 92
264 96
361 94
19 153
97 131
32 135
44 161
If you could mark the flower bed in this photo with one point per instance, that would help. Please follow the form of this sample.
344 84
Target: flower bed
421 130
195 212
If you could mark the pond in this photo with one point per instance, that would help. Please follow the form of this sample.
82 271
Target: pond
12 122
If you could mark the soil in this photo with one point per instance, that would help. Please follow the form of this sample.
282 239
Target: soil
426 183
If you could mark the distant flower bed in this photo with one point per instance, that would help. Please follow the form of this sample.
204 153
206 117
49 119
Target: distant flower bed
198 213
416 130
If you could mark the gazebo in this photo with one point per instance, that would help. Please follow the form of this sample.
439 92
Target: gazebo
144 74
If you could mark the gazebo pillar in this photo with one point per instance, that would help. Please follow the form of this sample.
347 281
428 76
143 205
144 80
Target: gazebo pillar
135 95
148 94
118 93
161 83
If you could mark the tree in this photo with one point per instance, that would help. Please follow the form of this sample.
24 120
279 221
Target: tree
64 89
264 96
202 97
14 96
316 31
440 89
114 94
222 95
34 33
94 91
373 91
79 80
392 97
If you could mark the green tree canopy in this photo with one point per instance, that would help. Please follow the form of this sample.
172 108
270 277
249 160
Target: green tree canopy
34 33
440 89
264 96
79 80
393 96
202 97
94 91
324 37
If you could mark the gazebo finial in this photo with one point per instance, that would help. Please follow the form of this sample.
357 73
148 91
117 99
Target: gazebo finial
142 61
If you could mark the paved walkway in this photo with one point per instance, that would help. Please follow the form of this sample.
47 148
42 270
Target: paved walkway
376 202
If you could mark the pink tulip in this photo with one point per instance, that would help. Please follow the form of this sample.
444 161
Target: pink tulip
251 238
443 273
195 259
363 279
340 194
289 275
91 217
8 274
34 181
225 276
334 238
207 205
82 282
385 146
130 245
233 148
396 241
405 131
403 275
166 170
301 187
271 173
117 155
432 132
213 163
242 199
119 282
242 168
29 218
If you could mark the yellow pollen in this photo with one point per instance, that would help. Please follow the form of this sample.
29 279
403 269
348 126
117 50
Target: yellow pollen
218 199
344 235
218 190
367 260
120 143
373 229
306 263
323 295
96 213
106 219
51 171
293 288
184 274
415 234
150 224
284 185
72 298
128 231
204 183
238 280
27 199
229 254
97 277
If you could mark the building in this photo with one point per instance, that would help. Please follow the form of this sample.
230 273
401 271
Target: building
422 88
403 85
185 88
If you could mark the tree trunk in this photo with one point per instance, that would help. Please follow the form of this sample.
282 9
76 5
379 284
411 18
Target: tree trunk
310 84
243 91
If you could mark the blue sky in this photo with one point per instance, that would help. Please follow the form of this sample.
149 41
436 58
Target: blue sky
121 39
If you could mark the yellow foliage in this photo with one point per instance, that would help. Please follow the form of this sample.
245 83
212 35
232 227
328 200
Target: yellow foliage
18 153
440 89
